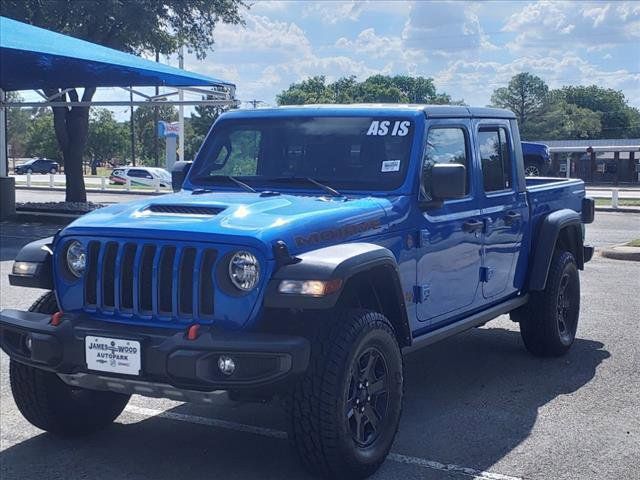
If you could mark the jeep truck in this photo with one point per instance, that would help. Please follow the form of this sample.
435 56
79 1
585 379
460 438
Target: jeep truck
307 250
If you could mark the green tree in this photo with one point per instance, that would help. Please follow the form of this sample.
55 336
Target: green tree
565 121
377 88
618 117
108 139
145 128
41 139
526 96
132 26
18 120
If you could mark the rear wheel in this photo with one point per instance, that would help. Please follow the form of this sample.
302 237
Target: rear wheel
532 170
50 404
549 322
344 413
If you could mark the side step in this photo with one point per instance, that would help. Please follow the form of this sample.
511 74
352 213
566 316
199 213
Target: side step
465 323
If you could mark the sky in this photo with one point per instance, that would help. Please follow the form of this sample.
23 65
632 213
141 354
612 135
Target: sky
468 48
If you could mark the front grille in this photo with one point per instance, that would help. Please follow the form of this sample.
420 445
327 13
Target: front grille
151 281
185 210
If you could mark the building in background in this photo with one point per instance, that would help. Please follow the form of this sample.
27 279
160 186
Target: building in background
607 161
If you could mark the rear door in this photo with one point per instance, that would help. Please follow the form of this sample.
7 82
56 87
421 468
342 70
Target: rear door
504 209
450 239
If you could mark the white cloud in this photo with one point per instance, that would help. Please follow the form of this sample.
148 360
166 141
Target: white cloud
331 12
369 43
552 26
445 28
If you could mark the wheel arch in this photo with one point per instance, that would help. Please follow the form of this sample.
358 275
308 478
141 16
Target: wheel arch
369 279
563 229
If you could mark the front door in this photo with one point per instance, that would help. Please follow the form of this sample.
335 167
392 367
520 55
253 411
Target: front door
450 239
504 209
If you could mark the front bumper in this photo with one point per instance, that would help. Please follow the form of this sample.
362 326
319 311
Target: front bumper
168 357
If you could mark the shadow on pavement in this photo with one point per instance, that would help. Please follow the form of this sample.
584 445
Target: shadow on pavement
469 400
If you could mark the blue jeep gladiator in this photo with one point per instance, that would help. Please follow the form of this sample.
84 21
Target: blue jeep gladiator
306 251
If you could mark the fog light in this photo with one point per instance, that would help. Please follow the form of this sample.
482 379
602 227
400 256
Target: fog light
226 364
28 342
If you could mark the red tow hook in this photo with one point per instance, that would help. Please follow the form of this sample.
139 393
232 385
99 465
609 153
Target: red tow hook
193 331
56 319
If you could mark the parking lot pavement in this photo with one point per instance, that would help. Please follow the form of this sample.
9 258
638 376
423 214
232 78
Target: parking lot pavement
477 405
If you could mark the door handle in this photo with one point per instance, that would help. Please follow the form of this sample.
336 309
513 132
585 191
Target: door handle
512 217
473 225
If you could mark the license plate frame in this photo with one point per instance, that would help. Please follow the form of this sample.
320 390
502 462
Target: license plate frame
113 355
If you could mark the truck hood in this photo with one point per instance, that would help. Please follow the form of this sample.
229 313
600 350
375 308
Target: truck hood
239 218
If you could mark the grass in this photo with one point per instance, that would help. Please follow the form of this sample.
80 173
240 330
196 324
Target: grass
623 202
634 243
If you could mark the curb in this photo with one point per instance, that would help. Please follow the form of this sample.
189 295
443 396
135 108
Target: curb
96 190
621 252
619 209
44 217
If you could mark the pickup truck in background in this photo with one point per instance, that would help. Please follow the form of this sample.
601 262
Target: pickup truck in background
306 251
537 159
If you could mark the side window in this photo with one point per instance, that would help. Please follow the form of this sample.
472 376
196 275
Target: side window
444 145
496 159
136 173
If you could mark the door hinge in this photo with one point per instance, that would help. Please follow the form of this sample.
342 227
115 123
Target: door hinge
486 273
421 293
423 238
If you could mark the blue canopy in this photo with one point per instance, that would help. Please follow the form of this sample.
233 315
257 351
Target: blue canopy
33 58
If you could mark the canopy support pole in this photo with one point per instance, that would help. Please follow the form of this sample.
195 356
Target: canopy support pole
7 184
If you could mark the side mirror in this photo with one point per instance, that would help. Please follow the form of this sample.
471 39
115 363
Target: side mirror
178 174
448 180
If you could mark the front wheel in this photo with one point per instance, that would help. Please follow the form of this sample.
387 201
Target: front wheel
344 413
50 404
549 322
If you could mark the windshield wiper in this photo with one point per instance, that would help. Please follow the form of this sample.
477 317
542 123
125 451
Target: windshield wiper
240 183
326 188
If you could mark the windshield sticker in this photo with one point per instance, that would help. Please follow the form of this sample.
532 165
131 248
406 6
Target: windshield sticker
382 128
390 166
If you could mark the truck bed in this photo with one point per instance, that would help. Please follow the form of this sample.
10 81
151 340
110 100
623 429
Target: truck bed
546 194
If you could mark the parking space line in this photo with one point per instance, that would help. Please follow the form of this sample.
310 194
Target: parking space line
269 432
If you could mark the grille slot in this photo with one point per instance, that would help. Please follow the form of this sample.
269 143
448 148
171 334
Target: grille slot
126 277
206 283
185 210
165 284
146 279
168 282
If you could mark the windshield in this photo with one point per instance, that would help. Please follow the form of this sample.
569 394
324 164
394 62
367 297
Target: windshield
345 153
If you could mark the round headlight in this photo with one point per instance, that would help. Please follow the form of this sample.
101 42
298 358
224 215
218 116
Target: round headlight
76 258
244 270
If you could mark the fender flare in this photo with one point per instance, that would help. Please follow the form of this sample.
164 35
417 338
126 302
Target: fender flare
546 240
38 252
342 262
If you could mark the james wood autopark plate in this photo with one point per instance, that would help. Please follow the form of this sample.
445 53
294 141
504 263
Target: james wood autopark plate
112 355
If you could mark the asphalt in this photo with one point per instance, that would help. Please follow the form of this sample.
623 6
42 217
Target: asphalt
477 405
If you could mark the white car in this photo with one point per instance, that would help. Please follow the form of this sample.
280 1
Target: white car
146 176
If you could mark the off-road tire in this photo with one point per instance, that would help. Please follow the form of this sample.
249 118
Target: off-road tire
52 405
549 321
320 404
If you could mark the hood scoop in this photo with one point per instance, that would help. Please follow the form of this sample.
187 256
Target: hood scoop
191 210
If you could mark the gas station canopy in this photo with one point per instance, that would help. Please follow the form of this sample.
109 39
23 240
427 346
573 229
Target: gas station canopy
33 58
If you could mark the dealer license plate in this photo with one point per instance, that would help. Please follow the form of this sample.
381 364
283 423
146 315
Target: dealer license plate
112 355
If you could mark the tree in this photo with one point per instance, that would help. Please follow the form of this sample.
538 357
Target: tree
526 96
145 127
565 121
377 88
617 116
136 27
107 139
41 138
18 120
